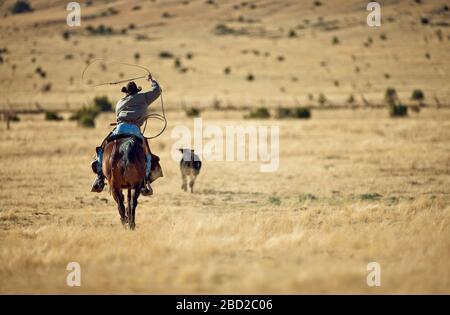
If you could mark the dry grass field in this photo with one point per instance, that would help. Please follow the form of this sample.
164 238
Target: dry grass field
354 185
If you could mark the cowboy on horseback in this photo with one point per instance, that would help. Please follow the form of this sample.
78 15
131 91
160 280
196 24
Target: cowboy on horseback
131 113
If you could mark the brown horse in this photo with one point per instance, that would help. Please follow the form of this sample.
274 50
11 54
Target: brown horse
124 167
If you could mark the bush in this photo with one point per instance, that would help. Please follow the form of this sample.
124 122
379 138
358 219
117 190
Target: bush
192 112
103 104
305 197
13 117
398 110
86 115
87 121
100 30
260 112
275 200
418 95
284 112
52 116
46 88
322 99
298 112
302 113
390 96
90 111
351 99
66 35
21 7
222 29
165 55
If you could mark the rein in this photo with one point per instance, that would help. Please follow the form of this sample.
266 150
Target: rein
160 117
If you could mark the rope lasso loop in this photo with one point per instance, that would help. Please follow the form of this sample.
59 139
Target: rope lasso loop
160 117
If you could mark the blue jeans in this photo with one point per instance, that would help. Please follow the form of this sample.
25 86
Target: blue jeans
129 129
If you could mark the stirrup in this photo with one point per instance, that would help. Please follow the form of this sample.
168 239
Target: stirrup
98 185
94 166
146 189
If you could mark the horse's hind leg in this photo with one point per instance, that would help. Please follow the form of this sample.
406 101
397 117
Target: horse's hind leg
133 202
192 182
184 181
119 198
129 205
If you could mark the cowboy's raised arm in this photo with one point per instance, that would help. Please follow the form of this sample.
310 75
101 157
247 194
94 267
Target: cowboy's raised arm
154 92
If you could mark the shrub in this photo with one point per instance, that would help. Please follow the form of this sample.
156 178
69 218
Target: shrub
418 95
86 121
298 112
335 40
424 20
322 99
398 110
52 116
100 30
284 112
250 77
91 111
177 63
103 104
66 35
86 116
260 112
351 99
390 96
302 113
223 29
369 196
275 200
46 88
21 7
13 117
305 197
192 112
165 55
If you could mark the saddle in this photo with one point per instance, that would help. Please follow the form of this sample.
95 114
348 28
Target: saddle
155 168
121 136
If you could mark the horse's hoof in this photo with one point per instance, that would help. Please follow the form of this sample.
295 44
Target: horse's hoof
132 226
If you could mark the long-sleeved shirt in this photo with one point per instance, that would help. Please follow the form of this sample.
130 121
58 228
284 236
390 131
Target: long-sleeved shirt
133 108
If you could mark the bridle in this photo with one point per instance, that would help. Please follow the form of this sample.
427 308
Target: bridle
160 117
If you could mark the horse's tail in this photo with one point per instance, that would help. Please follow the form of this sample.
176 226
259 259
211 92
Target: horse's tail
111 165
129 151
